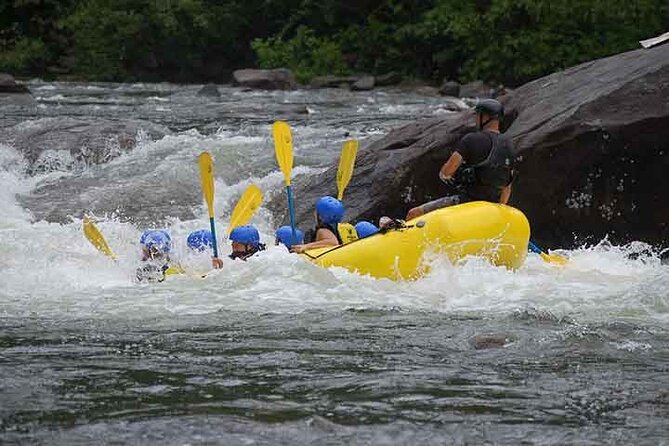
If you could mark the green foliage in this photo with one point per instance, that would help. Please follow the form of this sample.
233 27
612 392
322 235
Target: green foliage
509 41
27 56
305 54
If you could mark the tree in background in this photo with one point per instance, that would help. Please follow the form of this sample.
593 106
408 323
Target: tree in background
30 39
508 41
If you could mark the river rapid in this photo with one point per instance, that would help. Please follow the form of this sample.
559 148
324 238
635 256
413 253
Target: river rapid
275 350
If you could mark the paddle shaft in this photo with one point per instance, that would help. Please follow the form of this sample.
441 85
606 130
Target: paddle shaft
534 248
212 224
291 212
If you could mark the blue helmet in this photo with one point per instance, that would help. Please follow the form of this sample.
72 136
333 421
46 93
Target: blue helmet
200 240
330 210
158 239
285 235
247 235
365 229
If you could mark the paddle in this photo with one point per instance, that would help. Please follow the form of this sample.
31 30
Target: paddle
283 149
96 238
346 163
554 259
247 205
207 177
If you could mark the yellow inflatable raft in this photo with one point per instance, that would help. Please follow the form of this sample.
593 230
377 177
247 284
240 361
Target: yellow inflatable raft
497 232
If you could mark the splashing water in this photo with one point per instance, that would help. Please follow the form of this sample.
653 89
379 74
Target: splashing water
281 351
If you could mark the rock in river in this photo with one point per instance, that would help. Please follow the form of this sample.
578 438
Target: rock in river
72 144
593 155
8 85
365 83
50 144
277 79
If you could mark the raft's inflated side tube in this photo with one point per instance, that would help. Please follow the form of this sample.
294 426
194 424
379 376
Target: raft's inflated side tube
497 232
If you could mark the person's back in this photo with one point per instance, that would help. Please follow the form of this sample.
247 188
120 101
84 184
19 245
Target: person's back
488 156
329 212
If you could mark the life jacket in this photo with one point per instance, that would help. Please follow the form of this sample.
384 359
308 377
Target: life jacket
347 233
493 173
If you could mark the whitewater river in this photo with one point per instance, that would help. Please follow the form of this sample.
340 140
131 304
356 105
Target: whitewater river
275 350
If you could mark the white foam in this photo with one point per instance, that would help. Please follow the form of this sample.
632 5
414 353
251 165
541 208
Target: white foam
50 270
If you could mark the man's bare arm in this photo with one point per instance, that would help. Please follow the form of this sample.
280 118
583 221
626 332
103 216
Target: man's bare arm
450 167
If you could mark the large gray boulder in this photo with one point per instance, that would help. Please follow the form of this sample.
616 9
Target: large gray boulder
365 83
77 144
593 156
593 147
61 144
277 79
450 88
8 85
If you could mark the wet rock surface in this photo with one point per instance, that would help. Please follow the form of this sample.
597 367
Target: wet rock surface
593 154
277 79
450 88
209 90
9 85
61 144
365 83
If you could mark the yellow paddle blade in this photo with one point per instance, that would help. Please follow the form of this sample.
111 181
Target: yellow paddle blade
247 205
283 148
207 177
346 163
96 238
174 270
554 259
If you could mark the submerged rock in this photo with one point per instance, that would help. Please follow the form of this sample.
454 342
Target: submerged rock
210 90
487 341
277 79
60 144
53 144
593 155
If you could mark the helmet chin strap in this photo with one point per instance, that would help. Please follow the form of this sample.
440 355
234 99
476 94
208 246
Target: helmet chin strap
249 250
483 124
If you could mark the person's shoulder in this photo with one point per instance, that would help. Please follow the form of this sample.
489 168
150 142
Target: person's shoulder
471 136
474 137
324 230
505 139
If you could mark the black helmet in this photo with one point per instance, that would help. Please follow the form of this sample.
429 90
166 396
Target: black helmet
490 107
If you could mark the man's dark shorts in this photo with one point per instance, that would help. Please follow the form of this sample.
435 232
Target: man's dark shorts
443 202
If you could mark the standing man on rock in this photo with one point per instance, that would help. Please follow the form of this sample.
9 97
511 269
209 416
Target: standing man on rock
487 153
